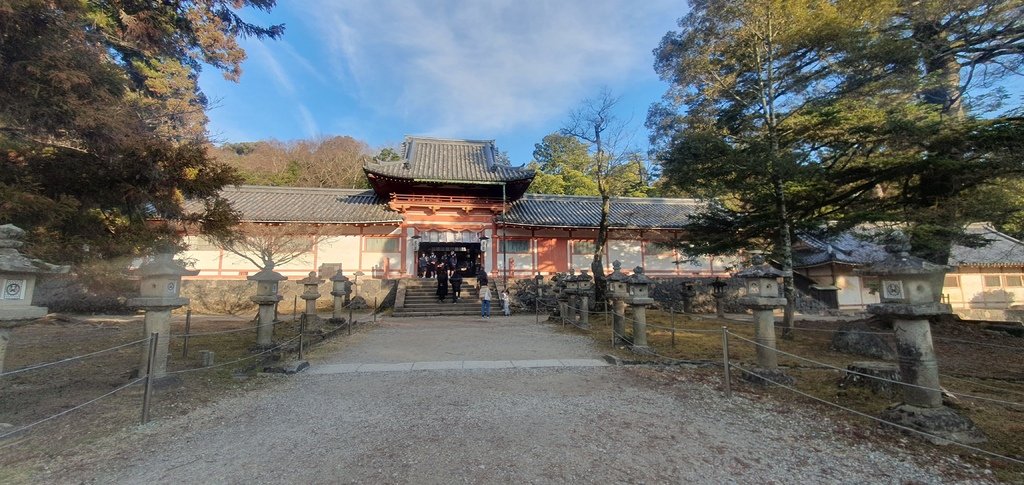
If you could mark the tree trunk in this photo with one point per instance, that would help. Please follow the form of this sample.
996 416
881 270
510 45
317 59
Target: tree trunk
785 243
597 266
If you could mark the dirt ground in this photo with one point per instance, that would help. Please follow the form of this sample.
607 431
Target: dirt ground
34 395
972 361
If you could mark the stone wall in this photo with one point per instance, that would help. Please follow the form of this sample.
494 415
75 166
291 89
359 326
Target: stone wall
232 296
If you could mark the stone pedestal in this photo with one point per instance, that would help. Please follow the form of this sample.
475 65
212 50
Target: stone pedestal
584 312
340 291
158 321
310 293
17 283
266 297
639 288
719 306
762 298
640 330
571 310
688 294
160 287
5 338
917 363
764 334
619 321
908 300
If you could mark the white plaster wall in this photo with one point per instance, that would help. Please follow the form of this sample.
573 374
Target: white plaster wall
340 249
851 292
660 262
626 251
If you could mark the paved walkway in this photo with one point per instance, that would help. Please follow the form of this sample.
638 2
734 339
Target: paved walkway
456 365
371 411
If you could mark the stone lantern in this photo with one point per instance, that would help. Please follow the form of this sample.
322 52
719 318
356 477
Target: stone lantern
159 293
585 285
572 289
358 302
558 287
762 285
908 301
639 289
18 276
310 293
688 293
718 291
341 289
618 290
267 298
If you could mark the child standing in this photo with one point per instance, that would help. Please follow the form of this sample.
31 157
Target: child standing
485 301
504 302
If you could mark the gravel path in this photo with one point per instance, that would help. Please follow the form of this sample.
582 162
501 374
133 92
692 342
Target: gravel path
544 425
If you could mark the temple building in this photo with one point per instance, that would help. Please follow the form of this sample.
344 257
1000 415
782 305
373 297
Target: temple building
447 196
458 198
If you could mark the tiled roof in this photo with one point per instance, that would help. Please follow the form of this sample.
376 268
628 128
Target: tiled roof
583 211
845 248
303 204
1002 250
443 160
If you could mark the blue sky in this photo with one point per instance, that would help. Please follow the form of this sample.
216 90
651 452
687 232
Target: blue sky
508 70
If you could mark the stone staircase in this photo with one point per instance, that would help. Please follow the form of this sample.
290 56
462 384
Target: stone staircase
417 297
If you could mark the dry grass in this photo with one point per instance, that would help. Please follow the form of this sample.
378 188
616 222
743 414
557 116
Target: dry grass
30 396
994 369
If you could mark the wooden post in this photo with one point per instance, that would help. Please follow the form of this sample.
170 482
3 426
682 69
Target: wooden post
295 307
150 364
725 360
188 329
302 335
672 314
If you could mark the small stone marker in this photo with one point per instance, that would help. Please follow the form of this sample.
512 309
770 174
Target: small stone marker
206 358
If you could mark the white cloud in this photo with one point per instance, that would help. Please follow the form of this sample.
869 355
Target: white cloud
466 67
276 71
308 122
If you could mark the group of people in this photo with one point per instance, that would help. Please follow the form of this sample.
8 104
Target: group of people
455 279
429 265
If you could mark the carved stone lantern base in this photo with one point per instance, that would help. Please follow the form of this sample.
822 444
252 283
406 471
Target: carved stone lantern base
358 303
768 377
943 422
641 349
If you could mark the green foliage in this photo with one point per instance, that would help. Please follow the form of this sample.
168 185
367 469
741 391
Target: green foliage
564 166
815 112
102 122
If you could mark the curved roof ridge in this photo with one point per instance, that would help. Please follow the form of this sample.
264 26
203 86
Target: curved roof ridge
455 140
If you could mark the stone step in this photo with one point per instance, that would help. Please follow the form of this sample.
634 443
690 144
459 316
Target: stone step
400 314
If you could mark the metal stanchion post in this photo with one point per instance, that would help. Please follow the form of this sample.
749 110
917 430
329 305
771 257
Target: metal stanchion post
150 363
295 307
188 329
725 360
302 336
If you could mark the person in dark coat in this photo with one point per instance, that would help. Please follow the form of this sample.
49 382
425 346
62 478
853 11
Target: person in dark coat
421 266
431 265
442 283
481 277
456 280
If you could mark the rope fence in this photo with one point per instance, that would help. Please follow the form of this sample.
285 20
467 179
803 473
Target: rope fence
879 378
726 364
72 359
875 418
146 378
66 411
